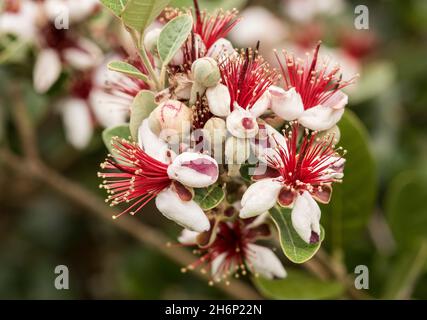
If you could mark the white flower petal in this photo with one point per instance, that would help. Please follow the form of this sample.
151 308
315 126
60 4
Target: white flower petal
265 262
21 24
259 198
261 105
338 101
219 100
188 237
77 122
194 170
306 217
47 70
152 144
216 266
110 110
286 104
320 117
268 139
186 213
221 49
87 55
241 123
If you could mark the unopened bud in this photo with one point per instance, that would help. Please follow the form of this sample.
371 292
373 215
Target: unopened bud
206 72
219 100
237 150
215 131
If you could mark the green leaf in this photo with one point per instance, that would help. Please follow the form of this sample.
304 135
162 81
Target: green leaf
353 201
406 208
173 36
139 14
128 69
121 131
294 248
116 6
141 108
298 285
210 197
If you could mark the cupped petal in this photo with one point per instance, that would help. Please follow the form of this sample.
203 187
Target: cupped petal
152 144
220 50
241 123
259 198
264 262
219 100
194 170
188 237
306 217
286 104
84 56
77 122
110 110
261 105
338 101
185 213
47 70
267 140
320 117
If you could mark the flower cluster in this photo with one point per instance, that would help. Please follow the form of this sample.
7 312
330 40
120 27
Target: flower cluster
216 112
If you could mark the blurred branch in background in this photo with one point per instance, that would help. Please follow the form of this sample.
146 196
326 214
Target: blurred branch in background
32 168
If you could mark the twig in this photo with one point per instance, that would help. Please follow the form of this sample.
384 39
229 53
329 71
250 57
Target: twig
143 233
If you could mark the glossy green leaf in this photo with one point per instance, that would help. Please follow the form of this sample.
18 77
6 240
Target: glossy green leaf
141 108
116 6
406 208
128 69
294 248
353 201
298 285
121 131
139 14
210 197
173 36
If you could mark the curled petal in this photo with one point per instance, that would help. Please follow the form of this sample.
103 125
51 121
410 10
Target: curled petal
323 193
46 70
188 237
85 56
286 104
259 198
305 218
219 100
108 108
220 50
338 101
152 144
265 262
286 197
185 213
194 170
242 124
320 117
266 141
261 105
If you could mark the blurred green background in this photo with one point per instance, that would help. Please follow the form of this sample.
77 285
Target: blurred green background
40 229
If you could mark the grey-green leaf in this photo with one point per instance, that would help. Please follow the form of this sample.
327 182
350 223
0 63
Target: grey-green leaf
139 14
294 248
352 204
121 131
173 36
298 285
141 108
128 69
116 6
210 197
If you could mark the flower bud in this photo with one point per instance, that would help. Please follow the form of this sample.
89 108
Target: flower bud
206 72
194 170
150 40
215 131
237 150
259 198
219 100
170 119
242 124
